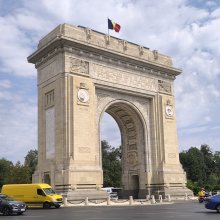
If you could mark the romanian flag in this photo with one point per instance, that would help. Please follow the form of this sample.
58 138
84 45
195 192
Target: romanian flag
114 26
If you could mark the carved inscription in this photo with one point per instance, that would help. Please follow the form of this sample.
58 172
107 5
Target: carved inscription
123 78
84 150
171 155
79 66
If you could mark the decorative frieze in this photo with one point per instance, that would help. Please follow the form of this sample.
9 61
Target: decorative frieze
123 78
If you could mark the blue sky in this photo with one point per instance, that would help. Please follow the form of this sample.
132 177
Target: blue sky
187 30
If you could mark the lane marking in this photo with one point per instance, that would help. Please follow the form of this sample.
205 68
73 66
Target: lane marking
153 213
108 218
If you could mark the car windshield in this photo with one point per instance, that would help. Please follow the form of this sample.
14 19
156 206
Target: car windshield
48 191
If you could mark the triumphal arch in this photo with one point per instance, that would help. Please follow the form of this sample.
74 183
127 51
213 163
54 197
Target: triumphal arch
83 73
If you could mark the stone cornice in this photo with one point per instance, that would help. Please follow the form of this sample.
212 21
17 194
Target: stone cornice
64 38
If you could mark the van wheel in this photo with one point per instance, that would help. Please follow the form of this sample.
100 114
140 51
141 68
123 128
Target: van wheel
46 205
218 208
57 206
6 211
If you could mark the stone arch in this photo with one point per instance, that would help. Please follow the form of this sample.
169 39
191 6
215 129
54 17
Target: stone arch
133 131
89 73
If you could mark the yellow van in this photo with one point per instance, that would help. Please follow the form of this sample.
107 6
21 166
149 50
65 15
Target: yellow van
34 194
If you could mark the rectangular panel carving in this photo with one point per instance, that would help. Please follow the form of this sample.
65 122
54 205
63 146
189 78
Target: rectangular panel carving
50 133
79 66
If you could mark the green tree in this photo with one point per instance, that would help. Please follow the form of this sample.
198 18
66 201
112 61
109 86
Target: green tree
111 164
217 168
5 167
194 165
19 174
217 162
208 160
31 160
202 167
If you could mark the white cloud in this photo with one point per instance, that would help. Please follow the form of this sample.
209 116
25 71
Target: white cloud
18 130
5 84
110 130
189 33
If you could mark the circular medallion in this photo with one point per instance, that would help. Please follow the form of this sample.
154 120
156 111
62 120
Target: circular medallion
169 110
83 95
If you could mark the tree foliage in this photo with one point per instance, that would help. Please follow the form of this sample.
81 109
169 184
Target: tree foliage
111 164
5 167
18 173
202 167
31 160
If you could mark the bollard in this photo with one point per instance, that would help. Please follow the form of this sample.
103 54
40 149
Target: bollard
186 196
168 198
153 199
86 201
65 200
160 199
147 197
131 200
108 201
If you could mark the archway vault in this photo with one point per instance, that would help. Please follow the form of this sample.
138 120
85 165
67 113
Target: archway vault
134 144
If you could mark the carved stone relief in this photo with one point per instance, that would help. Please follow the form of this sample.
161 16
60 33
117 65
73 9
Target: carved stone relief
79 66
164 86
169 110
132 158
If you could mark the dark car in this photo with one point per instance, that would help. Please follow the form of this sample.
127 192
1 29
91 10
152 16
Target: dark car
213 203
9 206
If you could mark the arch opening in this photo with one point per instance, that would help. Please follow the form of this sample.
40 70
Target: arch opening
133 161
111 151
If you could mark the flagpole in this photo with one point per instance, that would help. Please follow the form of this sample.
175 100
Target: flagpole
107 23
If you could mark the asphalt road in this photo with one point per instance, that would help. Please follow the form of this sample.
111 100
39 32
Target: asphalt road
178 211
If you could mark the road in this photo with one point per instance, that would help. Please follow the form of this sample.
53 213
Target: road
178 211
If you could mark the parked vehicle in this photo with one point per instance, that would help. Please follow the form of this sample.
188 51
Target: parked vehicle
112 191
34 194
215 192
213 203
9 206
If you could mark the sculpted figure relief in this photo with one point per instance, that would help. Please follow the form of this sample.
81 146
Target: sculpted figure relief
79 66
